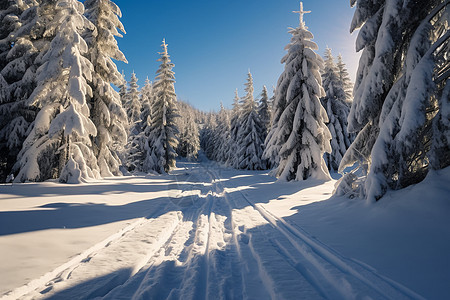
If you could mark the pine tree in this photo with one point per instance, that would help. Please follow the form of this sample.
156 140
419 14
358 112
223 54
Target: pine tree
162 140
401 78
107 113
192 138
59 145
271 144
440 145
345 79
208 136
235 123
135 149
250 139
133 101
299 135
265 111
222 135
123 90
189 137
146 101
17 68
335 103
10 11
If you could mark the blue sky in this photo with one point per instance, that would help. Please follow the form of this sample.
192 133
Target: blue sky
214 43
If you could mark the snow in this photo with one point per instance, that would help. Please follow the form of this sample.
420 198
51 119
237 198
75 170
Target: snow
211 232
298 113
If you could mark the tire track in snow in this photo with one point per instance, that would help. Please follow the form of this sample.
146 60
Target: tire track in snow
63 272
119 260
223 246
206 265
265 275
223 252
162 262
333 275
244 265
145 259
198 276
184 258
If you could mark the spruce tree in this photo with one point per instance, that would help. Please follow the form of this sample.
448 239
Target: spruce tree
344 77
189 137
59 145
123 90
192 138
265 111
335 103
208 135
133 101
17 68
398 94
146 101
250 138
235 123
222 135
10 12
135 148
162 140
299 136
107 113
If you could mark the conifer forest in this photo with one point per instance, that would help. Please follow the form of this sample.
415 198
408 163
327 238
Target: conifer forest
317 186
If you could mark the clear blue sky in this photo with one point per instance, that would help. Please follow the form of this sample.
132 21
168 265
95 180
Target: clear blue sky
214 43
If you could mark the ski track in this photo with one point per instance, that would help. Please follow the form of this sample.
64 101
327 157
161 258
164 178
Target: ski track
210 244
332 275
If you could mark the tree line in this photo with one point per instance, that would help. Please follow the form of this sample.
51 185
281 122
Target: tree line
61 116
388 134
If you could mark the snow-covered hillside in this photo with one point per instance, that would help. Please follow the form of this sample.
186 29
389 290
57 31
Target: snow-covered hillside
211 232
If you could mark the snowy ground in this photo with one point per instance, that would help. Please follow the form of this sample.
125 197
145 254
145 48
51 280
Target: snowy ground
209 232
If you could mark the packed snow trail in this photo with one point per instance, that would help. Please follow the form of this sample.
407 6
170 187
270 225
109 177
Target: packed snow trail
211 241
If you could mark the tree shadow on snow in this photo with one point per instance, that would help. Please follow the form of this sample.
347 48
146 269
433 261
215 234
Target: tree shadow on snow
90 289
45 189
222 273
67 215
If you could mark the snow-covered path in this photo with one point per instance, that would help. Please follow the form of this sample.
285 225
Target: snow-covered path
211 240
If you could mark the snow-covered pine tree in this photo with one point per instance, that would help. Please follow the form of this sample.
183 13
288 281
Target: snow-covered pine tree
207 135
440 145
345 79
59 145
17 68
123 90
11 21
133 101
189 138
299 134
250 138
335 103
222 136
265 111
162 140
146 101
107 113
213 147
135 149
402 75
235 123
28 40
271 143
192 138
